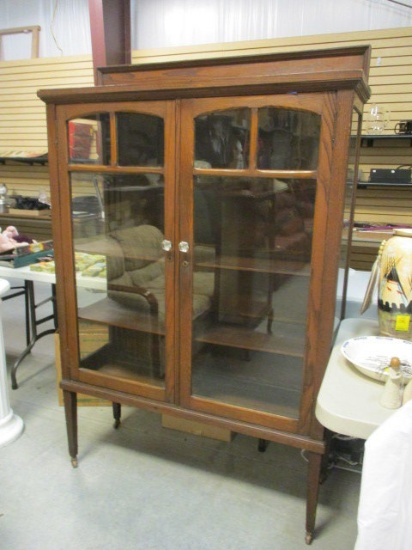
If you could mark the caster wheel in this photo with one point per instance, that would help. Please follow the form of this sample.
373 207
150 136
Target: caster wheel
309 538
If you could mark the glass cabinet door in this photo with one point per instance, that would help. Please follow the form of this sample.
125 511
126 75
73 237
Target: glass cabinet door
119 179
253 188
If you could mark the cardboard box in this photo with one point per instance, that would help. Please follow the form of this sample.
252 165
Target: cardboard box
82 400
26 255
46 213
197 428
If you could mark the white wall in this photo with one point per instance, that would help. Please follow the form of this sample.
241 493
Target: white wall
163 23
65 26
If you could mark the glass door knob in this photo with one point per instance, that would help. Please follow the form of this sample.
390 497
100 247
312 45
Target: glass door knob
184 247
167 245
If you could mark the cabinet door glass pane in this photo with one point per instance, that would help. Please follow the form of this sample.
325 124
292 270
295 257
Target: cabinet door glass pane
118 228
222 139
251 278
252 260
139 139
89 139
288 139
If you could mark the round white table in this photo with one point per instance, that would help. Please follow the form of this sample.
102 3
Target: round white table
11 425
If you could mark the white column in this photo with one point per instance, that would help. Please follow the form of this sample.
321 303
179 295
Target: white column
11 425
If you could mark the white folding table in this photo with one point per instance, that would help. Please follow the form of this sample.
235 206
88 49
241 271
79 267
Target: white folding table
33 320
348 401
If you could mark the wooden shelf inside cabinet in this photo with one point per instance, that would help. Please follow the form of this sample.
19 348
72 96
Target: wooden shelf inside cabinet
261 265
110 312
109 362
286 342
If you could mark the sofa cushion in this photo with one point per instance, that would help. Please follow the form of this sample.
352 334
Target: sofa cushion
141 245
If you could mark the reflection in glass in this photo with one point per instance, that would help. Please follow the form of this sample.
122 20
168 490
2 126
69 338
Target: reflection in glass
222 139
253 240
133 200
121 279
140 139
89 139
288 139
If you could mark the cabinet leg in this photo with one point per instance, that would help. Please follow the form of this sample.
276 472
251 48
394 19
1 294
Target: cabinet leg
117 414
70 409
314 472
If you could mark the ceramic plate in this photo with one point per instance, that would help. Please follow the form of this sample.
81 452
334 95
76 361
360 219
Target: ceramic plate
372 354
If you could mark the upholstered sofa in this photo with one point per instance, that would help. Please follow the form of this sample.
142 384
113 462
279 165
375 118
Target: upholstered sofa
136 272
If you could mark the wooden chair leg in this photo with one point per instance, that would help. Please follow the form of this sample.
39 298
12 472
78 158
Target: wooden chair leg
262 445
117 413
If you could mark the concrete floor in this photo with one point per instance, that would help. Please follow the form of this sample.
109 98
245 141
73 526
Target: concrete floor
145 487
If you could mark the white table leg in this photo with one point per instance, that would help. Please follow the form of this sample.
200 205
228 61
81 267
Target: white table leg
11 425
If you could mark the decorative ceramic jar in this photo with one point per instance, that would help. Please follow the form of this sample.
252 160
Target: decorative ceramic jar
395 286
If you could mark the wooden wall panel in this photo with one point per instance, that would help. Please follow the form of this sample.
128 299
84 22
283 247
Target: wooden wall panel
24 179
23 123
384 206
22 114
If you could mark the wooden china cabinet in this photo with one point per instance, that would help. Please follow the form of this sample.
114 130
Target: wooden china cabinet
222 186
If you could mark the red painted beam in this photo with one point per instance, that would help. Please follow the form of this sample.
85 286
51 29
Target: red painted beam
110 32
